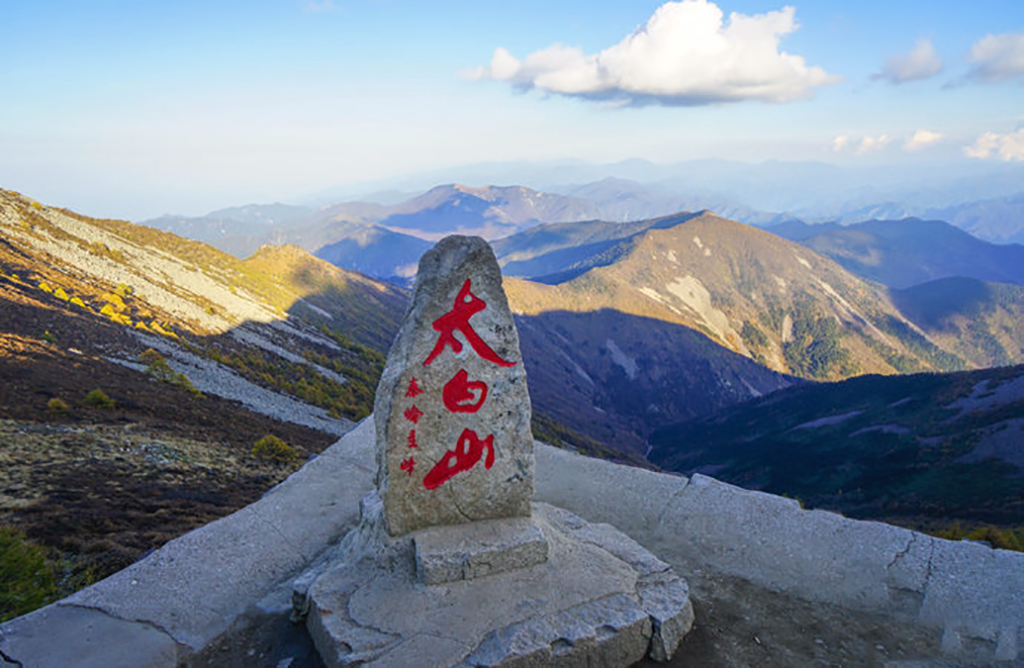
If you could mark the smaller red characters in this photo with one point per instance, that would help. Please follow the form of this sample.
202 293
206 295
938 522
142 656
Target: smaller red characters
414 389
413 414
408 465
412 439
462 395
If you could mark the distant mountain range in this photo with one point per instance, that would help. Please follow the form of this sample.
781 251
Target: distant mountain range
779 195
908 252
632 325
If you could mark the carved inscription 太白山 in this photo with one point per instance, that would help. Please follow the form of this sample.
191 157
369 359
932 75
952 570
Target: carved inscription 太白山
453 411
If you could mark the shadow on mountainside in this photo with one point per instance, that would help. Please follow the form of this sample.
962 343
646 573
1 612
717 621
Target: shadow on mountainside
616 377
932 305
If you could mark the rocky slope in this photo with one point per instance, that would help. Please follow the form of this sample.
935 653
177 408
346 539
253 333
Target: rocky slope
749 291
140 369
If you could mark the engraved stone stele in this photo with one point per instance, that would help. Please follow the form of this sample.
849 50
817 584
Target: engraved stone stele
452 410
450 564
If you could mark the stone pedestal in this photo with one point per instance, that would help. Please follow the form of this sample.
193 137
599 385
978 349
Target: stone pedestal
468 551
549 590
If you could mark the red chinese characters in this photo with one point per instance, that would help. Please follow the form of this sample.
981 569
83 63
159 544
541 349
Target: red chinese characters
413 414
469 449
414 389
461 395
457 320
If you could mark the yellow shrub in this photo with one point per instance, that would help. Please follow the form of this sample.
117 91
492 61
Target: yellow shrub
273 449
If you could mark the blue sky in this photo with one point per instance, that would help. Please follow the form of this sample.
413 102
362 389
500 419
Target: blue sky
132 109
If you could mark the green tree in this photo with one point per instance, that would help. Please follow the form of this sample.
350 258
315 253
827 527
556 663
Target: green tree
26 578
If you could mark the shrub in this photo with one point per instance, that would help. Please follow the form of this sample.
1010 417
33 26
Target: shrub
26 578
99 399
49 338
158 368
270 448
57 405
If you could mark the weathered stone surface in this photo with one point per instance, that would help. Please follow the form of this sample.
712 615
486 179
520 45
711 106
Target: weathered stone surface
453 412
665 598
611 631
468 551
582 606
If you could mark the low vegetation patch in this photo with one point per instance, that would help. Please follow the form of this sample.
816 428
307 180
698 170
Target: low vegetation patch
27 579
99 399
270 448
815 350
158 368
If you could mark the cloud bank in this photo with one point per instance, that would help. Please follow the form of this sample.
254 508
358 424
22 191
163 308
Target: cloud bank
997 58
685 55
921 63
922 139
1006 147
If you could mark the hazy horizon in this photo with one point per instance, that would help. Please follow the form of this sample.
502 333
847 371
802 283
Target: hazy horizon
134 111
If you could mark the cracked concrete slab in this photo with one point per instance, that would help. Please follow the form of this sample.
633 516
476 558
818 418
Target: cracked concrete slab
601 492
98 640
772 541
976 594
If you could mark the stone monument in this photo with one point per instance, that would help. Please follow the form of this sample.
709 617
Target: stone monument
451 564
456 444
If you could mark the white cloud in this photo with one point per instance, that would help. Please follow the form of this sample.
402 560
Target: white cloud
684 55
997 57
922 62
1007 147
871 144
840 142
922 139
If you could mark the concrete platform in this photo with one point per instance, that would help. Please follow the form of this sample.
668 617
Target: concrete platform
598 598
